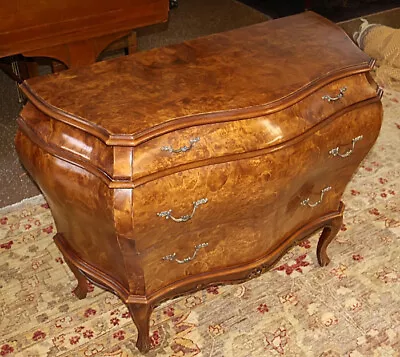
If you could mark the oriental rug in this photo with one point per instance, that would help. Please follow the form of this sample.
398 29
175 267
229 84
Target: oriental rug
349 308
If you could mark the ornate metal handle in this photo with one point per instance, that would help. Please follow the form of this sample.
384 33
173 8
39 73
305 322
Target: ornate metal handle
306 202
334 99
335 151
185 218
172 257
182 149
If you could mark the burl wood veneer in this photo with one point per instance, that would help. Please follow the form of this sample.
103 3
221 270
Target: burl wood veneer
200 163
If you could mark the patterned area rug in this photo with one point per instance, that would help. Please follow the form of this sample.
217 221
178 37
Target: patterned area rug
349 308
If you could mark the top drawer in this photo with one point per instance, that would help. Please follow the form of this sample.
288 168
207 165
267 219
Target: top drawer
234 137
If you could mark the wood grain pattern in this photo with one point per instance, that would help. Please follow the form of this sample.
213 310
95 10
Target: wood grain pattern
248 135
169 88
62 139
93 145
216 140
241 195
80 203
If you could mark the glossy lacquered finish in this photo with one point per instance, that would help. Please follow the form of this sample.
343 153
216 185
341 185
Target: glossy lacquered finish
74 32
200 163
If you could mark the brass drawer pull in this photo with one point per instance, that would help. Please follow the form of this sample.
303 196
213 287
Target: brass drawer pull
306 202
335 151
182 149
334 99
185 218
172 257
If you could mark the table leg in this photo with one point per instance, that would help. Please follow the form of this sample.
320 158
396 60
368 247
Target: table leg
329 232
141 317
82 289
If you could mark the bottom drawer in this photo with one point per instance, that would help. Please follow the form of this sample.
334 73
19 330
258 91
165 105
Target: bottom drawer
214 248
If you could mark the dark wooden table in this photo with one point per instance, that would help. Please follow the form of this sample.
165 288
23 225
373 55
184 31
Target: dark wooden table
74 32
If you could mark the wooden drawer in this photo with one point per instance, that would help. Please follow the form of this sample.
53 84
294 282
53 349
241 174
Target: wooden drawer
215 140
65 141
237 189
253 204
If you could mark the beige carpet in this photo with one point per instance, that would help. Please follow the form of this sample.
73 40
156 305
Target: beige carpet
350 308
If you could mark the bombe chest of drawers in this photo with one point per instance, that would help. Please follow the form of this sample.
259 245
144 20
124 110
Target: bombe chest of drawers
200 163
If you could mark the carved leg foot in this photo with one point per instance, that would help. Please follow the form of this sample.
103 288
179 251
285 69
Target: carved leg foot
328 233
141 318
82 289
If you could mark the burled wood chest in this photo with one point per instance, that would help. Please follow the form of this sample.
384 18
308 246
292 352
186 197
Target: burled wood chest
200 163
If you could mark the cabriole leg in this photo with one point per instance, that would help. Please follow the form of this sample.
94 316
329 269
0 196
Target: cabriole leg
82 289
141 317
328 233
